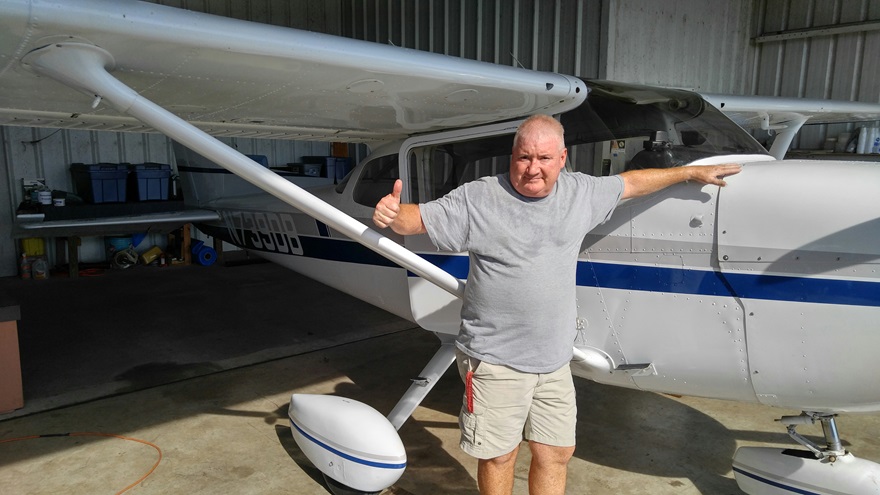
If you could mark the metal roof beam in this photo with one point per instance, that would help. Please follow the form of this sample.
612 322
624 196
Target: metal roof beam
812 32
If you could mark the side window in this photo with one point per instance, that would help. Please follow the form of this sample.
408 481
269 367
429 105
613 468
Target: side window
586 158
376 180
438 169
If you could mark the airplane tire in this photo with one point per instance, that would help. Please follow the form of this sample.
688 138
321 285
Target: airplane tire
337 488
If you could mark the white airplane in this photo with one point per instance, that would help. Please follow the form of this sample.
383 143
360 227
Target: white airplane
764 292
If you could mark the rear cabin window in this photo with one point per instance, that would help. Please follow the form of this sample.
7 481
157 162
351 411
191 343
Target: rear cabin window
376 180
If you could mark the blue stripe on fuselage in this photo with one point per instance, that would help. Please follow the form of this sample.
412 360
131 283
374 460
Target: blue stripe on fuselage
641 278
704 282
730 284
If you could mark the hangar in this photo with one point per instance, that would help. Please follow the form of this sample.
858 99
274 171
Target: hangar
771 48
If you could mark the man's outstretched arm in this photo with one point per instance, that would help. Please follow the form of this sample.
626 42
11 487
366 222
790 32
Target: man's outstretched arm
646 181
405 219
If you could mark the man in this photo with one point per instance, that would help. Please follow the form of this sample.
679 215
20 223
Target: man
523 231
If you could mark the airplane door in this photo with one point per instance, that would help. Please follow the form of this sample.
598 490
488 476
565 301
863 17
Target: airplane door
432 307
430 167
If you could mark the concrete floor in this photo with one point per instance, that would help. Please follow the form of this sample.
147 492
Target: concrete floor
201 362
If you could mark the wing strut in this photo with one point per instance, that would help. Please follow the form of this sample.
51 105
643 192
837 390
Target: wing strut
784 134
85 67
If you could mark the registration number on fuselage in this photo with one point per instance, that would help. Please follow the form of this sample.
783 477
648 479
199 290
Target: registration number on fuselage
263 231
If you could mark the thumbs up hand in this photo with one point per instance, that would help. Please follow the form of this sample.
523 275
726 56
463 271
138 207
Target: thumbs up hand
388 208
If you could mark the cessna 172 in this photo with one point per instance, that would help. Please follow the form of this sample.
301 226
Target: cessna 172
766 292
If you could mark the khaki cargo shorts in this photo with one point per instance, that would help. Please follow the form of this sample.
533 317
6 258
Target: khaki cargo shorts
501 406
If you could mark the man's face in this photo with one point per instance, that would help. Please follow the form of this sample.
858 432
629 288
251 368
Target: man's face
536 163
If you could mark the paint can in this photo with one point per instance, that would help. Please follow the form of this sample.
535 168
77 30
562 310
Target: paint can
44 197
58 202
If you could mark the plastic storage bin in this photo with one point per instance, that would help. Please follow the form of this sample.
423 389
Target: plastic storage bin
150 181
261 159
100 183
343 167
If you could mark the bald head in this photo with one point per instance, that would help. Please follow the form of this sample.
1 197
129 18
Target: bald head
538 125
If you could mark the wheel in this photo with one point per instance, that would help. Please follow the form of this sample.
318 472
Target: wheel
338 488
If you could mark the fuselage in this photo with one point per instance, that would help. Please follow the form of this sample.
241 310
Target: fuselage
764 291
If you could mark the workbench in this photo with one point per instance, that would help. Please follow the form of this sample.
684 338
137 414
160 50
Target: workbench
72 223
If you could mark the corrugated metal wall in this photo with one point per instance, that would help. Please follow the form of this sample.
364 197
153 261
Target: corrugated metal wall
814 49
698 44
553 35
627 40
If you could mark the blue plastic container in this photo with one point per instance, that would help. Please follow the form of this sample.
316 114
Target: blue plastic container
261 159
100 183
113 245
150 181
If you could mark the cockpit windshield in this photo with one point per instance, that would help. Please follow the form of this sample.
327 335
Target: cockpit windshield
627 126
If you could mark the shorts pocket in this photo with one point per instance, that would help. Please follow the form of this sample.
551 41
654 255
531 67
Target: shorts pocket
471 429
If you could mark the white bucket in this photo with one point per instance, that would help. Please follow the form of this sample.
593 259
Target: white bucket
869 140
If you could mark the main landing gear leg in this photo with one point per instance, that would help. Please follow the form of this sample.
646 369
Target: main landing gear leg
818 470
436 367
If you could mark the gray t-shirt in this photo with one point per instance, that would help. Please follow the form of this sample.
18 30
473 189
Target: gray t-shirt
519 307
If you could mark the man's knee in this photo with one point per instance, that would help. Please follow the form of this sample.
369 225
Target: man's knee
550 454
503 458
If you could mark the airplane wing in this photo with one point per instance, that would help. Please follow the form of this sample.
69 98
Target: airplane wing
767 112
786 116
236 78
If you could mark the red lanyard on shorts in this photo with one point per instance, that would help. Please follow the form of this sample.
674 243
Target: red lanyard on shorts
469 387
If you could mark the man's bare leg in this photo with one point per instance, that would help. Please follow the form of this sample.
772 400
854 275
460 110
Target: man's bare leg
495 476
549 469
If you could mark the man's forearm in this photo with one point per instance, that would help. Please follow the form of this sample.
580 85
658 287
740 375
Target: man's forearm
641 182
409 220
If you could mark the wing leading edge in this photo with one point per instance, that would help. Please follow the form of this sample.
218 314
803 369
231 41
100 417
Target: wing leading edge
232 77
754 112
